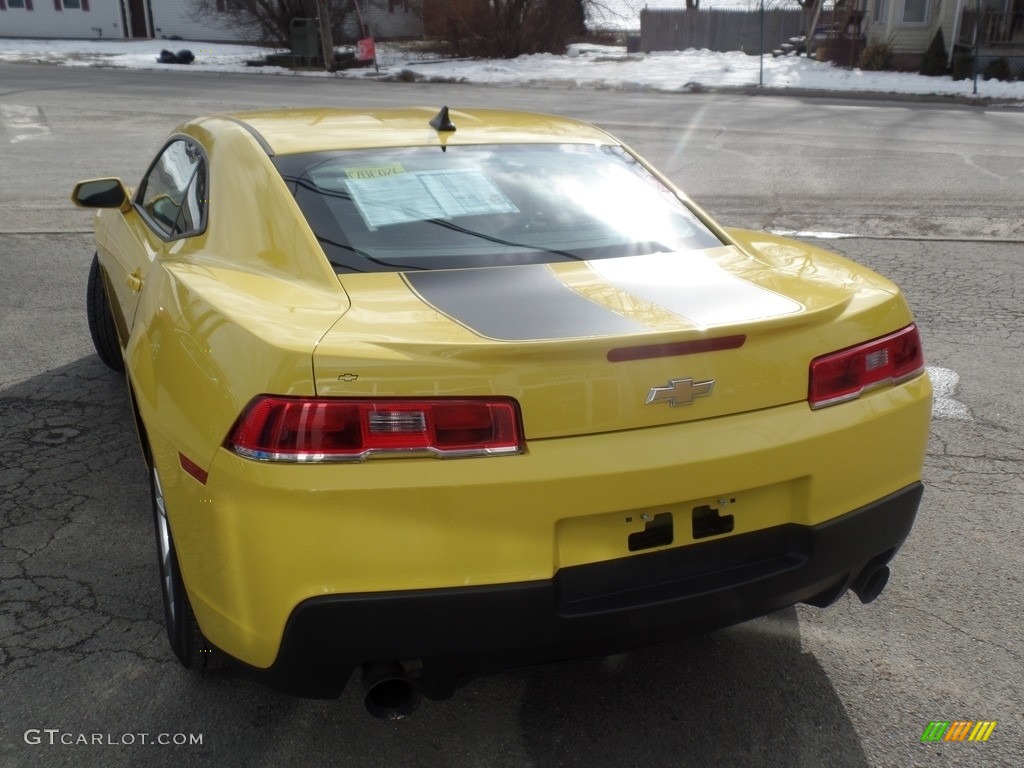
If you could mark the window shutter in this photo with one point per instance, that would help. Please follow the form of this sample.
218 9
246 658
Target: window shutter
3 5
85 5
58 5
220 5
28 5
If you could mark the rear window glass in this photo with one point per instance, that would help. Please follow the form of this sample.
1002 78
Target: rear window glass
474 206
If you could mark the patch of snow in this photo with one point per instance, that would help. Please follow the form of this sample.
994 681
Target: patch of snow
584 66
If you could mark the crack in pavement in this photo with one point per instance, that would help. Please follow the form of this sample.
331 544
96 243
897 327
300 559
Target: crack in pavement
60 601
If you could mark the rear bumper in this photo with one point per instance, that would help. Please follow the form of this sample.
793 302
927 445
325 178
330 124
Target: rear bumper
586 610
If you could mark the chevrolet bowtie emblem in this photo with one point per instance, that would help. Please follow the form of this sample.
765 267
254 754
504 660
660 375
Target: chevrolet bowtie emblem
679 392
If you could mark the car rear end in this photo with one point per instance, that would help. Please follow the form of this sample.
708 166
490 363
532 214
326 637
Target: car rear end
522 458
589 515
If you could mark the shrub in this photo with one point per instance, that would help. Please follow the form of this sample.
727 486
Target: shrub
877 57
998 69
510 28
935 58
270 22
963 66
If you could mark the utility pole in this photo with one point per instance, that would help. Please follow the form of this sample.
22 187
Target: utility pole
324 12
760 77
814 24
977 42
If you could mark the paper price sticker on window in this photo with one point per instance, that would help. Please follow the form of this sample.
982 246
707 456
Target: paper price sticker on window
385 200
375 172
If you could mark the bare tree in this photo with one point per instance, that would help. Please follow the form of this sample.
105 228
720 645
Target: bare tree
269 21
510 28
811 9
505 28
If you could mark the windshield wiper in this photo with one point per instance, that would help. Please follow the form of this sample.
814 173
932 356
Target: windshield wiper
362 255
500 240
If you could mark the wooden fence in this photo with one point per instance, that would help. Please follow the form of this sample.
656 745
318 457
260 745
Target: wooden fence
677 29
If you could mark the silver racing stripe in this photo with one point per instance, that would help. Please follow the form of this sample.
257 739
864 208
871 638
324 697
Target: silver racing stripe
691 285
521 303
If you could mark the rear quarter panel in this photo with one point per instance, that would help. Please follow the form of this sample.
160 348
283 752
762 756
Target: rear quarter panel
231 313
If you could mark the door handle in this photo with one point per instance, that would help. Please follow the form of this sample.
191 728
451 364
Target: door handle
135 280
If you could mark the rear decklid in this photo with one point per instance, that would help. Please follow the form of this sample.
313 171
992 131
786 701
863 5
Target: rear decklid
609 344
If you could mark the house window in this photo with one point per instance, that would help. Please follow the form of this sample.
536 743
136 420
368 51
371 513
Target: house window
881 14
915 12
17 4
73 5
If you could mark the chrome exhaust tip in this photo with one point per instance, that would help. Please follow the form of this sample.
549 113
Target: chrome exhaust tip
390 693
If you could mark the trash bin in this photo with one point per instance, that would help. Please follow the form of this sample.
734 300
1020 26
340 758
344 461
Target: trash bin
305 38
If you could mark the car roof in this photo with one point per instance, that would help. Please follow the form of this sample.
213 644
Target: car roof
292 131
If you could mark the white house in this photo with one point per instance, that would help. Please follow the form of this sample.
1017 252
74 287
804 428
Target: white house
116 19
910 25
121 19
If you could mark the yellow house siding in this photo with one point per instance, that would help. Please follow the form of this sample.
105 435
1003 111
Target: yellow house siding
913 38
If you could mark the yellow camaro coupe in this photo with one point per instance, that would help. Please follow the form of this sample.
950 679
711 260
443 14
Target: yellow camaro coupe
429 394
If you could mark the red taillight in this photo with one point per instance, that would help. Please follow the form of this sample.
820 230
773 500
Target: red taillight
344 429
847 374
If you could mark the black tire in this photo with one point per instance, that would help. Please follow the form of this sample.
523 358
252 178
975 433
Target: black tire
101 321
192 649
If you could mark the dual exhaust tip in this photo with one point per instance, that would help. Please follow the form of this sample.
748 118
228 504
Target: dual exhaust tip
870 583
391 693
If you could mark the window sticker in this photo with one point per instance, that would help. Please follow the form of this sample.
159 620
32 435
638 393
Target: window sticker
424 195
375 172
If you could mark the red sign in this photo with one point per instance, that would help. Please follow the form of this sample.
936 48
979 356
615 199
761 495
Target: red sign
365 50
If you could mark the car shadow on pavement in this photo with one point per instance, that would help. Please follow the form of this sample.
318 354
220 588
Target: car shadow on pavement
742 696
73 501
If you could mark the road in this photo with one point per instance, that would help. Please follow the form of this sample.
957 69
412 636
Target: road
930 195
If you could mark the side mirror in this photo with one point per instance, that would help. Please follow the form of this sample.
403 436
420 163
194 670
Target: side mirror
101 193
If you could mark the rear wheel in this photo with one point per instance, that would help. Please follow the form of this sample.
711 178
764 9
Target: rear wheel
187 641
101 321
